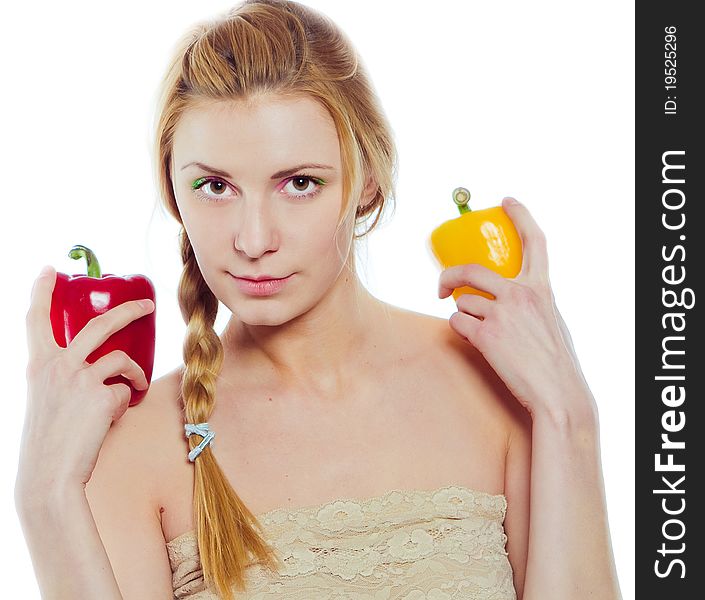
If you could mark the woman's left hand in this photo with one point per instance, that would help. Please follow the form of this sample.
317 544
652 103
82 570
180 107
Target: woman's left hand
520 333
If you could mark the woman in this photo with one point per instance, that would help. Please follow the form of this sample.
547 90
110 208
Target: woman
363 451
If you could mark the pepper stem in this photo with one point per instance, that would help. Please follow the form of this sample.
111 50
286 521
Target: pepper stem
461 197
92 267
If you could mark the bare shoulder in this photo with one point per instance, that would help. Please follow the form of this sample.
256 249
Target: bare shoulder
458 361
142 427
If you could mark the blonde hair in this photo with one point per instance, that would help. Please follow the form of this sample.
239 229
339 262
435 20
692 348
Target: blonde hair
258 47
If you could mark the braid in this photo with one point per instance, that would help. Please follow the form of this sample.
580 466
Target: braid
227 530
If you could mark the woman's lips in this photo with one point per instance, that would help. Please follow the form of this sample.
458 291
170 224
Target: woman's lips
264 287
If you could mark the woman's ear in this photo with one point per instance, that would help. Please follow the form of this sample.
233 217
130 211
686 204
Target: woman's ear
368 193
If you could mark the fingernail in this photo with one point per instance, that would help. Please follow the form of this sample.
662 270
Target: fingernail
510 200
46 269
146 304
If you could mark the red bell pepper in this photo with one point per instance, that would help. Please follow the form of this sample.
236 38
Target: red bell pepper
78 298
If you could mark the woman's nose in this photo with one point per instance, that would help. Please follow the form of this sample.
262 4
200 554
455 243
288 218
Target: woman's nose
256 229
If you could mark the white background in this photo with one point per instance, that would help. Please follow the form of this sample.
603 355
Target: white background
530 99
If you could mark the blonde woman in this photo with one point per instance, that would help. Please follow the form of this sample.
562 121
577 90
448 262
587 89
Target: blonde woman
361 450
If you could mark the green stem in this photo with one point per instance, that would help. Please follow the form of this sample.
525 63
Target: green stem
92 267
461 197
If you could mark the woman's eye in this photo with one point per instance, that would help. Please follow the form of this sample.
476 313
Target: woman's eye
302 183
217 187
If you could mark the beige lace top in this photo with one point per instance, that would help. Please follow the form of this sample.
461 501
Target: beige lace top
442 544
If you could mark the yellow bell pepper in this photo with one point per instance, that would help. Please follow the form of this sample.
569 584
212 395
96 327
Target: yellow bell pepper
487 237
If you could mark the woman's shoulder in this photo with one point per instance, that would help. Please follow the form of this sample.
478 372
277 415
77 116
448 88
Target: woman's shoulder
442 348
145 420
159 405
460 365
147 438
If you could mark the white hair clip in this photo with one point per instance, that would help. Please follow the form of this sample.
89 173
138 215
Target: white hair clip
202 430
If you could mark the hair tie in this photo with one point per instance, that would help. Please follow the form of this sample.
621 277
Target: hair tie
202 430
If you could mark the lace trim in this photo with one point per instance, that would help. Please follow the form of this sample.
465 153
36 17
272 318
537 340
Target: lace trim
496 503
450 539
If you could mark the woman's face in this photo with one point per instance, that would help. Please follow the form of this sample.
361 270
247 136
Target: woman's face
253 212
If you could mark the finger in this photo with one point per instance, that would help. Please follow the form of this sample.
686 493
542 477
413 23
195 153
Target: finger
472 274
535 258
465 325
40 336
122 394
116 363
100 328
474 305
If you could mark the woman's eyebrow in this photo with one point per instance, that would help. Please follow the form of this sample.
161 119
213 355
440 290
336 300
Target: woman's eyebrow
277 175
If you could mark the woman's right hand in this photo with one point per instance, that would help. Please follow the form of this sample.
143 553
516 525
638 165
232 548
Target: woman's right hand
69 408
